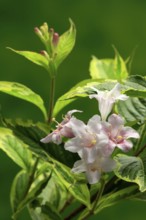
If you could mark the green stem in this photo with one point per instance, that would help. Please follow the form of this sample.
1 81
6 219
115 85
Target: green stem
100 192
95 203
31 178
52 95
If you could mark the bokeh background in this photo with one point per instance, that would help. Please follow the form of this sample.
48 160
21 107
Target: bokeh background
100 24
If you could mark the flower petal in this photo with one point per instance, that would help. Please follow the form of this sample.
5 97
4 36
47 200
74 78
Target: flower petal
93 176
95 123
74 145
125 145
117 122
107 164
128 132
77 126
89 154
79 167
54 137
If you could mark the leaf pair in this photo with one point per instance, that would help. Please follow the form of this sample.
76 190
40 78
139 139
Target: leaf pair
54 54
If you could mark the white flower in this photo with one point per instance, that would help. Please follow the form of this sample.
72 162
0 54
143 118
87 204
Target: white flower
106 99
88 138
61 130
118 134
95 169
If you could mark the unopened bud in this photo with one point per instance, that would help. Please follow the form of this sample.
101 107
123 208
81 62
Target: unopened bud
37 31
44 53
51 30
55 39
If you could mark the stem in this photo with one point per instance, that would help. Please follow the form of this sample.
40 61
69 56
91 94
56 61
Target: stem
31 178
75 212
141 150
52 95
95 203
82 207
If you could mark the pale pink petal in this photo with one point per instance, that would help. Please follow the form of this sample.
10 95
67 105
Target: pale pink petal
128 132
107 150
74 145
77 126
54 137
122 97
117 123
125 145
79 167
115 92
116 120
93 176
107 164
69 113
67 132
89 154
94 123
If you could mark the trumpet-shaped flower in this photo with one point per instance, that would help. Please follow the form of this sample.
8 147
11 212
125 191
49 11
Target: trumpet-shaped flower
88 139
95 169
118 134
106 99
61 130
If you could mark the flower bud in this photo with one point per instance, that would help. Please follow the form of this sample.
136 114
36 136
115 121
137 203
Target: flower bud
37 31
44 53
55 39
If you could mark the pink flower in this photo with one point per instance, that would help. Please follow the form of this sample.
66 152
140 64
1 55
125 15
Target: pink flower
106 99
88 139
95 169
118 134
61 130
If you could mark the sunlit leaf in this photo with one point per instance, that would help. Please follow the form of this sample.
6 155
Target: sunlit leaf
20 91
108 68
70 96
15 148
27 186
78 189
34 57
55 193
131 169
134 86
44 212
65 44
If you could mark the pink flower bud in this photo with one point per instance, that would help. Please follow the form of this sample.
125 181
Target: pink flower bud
55 39
37 31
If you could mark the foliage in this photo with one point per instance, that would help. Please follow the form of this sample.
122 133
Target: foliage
45 183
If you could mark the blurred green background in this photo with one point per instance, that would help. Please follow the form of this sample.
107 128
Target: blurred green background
99 23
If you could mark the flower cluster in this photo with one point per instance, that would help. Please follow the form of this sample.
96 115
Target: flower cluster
95 141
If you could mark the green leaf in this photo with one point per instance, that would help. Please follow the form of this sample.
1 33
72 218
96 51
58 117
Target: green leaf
120 69
31 134
78 189
34 57
135 86
65 44
115 197
108 68
131 169
54 193
141 196
111 199
20 91
44 212
70 96
15 148
27 186
18 190
133 110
